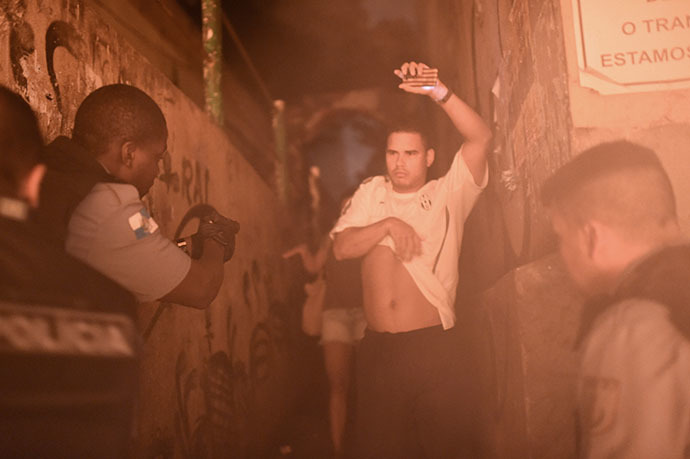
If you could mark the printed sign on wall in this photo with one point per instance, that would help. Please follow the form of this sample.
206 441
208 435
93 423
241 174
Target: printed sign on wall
633 45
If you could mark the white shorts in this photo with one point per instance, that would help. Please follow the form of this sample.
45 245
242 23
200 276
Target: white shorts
343 325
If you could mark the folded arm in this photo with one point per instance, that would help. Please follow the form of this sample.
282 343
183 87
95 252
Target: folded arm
355 242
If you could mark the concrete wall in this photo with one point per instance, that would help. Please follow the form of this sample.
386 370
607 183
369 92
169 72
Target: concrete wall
516 62
214 383
506 58
165 36
522 333
658 119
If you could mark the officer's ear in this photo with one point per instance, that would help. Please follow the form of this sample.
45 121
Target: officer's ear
30 187
591 239
127 153
430 156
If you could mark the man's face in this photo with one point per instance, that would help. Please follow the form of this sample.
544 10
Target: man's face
407 161
148 155
573 247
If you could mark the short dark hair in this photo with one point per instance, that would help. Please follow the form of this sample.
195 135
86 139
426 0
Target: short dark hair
117 113
618 182
20 141
412 125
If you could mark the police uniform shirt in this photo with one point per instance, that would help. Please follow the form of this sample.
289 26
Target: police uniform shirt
68 350
437 212
634 385
112 231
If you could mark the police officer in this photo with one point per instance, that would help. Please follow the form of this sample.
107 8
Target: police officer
91 202
613 210
67 342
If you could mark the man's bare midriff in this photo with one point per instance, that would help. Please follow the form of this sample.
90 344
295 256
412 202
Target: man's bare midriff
392 300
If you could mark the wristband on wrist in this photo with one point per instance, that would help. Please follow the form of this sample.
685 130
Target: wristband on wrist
445 98
439 92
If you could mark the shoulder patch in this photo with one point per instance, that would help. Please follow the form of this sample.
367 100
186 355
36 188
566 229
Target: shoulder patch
142 224
601 397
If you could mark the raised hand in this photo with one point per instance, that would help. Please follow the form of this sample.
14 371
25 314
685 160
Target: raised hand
419 78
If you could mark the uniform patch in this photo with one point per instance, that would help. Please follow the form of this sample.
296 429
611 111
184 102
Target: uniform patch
40 330
142 224
601 397
425 201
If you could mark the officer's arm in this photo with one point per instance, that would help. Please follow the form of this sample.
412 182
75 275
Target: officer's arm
202 283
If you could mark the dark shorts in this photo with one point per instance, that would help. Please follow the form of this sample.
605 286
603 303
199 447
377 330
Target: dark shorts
410 401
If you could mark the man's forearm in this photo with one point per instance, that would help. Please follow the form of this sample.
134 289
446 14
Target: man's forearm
355 242
474 130
466 120
212 261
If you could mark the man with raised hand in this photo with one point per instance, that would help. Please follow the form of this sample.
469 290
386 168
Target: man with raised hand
408 232
614 212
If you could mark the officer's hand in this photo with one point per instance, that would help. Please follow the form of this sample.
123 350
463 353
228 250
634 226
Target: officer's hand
207 230
407 242
226 237
219 228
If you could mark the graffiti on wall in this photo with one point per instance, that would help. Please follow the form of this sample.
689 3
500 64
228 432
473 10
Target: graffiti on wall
193 177
21 42
61 34
214 398
27 69
215 401
192 181
212 406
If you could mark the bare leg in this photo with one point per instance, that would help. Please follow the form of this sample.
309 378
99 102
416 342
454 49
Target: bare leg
338 362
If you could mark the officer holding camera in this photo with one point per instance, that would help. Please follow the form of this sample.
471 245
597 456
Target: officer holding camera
91 200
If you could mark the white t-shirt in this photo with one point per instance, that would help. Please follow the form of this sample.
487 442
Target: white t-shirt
112 231
634 385
437 212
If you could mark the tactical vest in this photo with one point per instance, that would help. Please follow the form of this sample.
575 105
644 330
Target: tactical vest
68 352
71 174
663 277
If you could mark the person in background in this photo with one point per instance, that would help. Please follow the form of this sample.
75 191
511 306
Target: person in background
614 212
408 232
342 327
68 345
91 202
